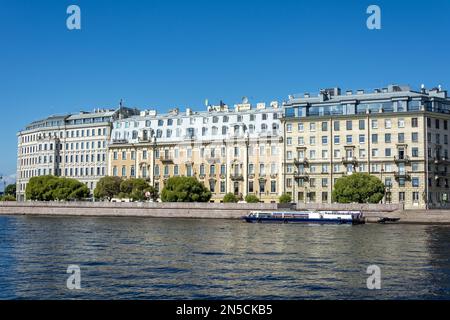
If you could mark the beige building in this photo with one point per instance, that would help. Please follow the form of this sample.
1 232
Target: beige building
235 150
394 133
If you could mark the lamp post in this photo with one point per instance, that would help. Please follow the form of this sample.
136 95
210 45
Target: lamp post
381 177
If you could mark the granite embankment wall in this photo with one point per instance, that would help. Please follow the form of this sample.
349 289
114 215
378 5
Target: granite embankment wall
170 210
212 210
135 209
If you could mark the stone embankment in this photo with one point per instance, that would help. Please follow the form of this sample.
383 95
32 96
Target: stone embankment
372 212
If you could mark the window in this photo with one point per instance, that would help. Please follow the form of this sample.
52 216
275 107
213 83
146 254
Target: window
362 124
374 152
336 125
374 124
300 126
415 152
289 127
336 139
401 137
349 124
415 137
387 138
414 123
362 138
324 126
401 123
388 123
324 140
374 138
388 152
349 139
312 126
415 182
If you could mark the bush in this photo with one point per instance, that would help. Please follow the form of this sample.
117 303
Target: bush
285 198
185 189
358 188
251 198
107 187
230 198
48 188
7 197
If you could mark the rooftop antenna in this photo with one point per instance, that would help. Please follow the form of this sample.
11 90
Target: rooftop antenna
206 102
121 103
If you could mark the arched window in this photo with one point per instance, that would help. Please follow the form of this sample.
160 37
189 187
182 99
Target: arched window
264 127
224 130
214 131
202 169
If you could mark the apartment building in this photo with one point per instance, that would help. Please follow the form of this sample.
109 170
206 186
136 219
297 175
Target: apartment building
395 133
71 145
236 150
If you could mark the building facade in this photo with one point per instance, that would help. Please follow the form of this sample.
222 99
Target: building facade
394 133
237 150
73 145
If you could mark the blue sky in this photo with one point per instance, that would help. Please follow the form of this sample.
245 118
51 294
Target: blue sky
178 53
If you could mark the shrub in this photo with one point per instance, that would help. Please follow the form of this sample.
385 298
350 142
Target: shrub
251 198
230 198
285 198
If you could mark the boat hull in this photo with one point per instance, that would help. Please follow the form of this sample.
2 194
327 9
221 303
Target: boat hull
301 221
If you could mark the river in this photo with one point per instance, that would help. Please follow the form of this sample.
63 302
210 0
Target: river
142 258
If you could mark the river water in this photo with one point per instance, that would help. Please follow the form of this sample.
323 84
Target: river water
138 258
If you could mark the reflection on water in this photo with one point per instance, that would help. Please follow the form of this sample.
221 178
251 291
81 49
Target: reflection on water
127 258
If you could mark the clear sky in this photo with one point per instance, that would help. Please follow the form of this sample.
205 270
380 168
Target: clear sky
170 53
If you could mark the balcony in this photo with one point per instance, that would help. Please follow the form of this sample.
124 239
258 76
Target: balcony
236 177
402 159
301 175
440 174
166 159
401 174
119 141
303 161
349 160
440 160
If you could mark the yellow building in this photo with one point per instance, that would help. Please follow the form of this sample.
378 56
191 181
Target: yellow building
396 134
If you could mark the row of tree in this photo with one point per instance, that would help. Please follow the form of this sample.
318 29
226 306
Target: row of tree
355 188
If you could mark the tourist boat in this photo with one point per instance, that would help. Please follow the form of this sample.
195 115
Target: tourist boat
325 217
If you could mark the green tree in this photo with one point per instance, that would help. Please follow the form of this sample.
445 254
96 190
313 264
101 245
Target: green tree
285 198
10 190
107 187
251 198
358 188
230 198
134 188
185 189
48 188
